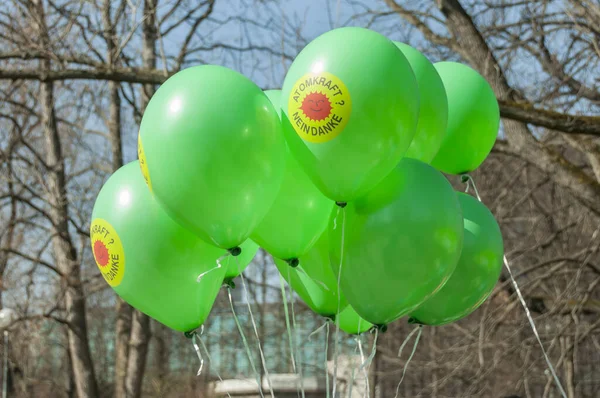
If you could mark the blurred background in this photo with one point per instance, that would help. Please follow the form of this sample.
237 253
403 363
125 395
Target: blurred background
75 78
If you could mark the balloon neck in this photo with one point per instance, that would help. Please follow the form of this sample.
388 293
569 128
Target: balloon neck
330 317
382 328
464 178
415 321
189 334
229 283
341 204
235 251
293 262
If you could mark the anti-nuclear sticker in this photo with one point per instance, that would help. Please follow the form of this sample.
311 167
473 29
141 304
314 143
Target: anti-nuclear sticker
319 107
108 251
143 164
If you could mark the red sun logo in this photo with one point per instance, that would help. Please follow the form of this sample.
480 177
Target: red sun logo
316 106
101 253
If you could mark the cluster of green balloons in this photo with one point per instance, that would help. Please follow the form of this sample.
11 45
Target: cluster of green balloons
338 176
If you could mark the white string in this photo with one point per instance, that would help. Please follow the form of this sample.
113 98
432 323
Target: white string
420 329
339 300
197 348
260 350
317 330
211 361
353 375
295 333
406 340
326 362
373 351
219 265
246 346
289 329
523 303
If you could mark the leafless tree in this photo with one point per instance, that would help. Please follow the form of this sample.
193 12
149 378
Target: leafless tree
75 78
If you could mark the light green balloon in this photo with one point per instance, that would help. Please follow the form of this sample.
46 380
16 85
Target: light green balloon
433 110
236 265
473 119
299 214
350 322
214 152
374 99
156 261
477 271
313 280
401 242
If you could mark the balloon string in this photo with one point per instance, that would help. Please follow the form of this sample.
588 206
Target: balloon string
407 339
317 330
364 370
260 350
420 329
353 374
219 265
211 361
197 349
339 301
295 330
470 182
289 329
326 363
373 351
246 346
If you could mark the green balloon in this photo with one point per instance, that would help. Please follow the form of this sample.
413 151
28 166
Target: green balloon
350 322
433 110
401 242
477 271
299 214
212 148
350 106
313 280
473 119
150 260
236 265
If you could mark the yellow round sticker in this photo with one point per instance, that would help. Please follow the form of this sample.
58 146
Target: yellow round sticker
143 164
108 251
319 107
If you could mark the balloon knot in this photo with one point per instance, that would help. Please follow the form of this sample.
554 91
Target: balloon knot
414 321
229 283
235 251
341 204
464 178
293 262
330 317
382 328
189 334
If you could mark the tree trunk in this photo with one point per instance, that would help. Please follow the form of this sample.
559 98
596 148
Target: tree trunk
140 329
63 250
123 310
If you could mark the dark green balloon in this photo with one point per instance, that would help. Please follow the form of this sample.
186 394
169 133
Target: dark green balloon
350 140
477 271
236 265
214 152
299 214
433 110
402 242
153 262
313 280
473 119
350 322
